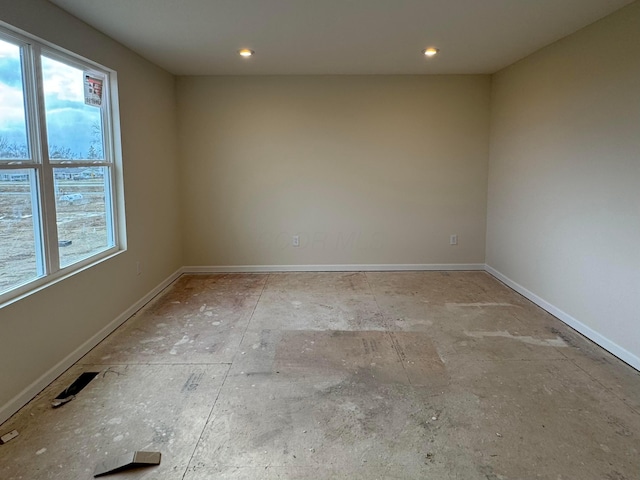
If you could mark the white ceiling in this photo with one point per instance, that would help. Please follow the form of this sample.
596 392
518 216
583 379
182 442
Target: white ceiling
201 37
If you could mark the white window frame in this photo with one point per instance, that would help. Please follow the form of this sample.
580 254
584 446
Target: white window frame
43 192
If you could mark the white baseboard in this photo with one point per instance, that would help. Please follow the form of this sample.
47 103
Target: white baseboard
588 332
332 268
22 398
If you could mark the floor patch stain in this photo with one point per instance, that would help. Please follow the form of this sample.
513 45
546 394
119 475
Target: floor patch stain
540 342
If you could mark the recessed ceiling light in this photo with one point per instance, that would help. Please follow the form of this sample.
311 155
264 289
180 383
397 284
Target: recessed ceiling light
430 52
245 52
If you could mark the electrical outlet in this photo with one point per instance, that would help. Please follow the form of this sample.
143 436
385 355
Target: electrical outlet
296 240
453 239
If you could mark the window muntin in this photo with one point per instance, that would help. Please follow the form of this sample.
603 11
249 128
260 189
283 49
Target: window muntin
57 200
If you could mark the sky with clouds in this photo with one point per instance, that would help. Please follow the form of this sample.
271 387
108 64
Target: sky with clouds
70 123
12 120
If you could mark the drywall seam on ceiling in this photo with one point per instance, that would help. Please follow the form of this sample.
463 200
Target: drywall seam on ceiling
577 325
25 396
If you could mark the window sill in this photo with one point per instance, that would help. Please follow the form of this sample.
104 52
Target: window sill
24 291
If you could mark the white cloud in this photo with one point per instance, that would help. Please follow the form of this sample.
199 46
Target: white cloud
62 81
9 50
11 106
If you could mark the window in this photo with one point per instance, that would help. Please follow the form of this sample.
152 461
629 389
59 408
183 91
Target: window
57 164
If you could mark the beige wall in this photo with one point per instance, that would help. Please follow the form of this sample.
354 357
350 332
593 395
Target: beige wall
564 182
367 169
38 332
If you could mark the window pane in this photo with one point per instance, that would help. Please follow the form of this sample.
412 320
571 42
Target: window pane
18 261
13 130
74 129
84 228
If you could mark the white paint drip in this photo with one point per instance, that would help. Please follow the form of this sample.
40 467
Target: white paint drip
184 340
480 304
41 451
400 322
151 340
203 307
540 342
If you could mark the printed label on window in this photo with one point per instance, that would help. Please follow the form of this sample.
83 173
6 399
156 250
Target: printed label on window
93 90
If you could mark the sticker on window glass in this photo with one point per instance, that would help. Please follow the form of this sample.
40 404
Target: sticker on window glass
93 90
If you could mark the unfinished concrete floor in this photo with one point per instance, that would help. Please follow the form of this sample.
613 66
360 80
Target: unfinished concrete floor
395 375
